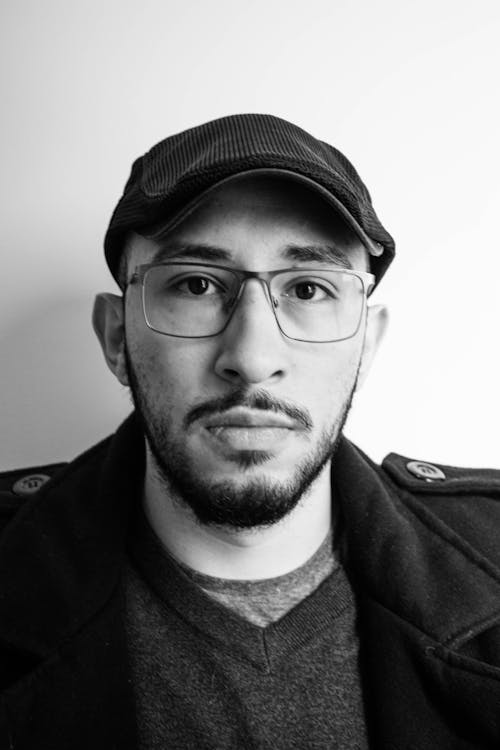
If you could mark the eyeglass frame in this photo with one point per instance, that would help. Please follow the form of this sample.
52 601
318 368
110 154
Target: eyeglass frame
265 277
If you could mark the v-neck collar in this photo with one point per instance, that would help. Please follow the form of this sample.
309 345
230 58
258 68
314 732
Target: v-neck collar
262 647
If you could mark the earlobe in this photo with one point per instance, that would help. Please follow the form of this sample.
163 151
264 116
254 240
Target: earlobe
108 323
376 325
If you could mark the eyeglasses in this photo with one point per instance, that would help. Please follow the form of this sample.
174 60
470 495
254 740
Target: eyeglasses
197 300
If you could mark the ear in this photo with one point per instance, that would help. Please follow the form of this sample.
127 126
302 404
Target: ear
108 323
377 319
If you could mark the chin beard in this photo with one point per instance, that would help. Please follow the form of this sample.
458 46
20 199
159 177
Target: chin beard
257 502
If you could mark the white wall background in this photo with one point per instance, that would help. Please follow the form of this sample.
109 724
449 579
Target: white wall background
410 92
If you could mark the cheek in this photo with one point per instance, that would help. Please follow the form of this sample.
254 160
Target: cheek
171 373
330 376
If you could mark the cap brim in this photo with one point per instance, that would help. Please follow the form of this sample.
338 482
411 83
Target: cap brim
374 248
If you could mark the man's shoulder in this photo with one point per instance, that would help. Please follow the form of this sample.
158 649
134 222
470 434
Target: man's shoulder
78 478
429 478
27 481
17 485
466 501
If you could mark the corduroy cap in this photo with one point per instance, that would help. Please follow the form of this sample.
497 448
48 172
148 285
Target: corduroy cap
180 169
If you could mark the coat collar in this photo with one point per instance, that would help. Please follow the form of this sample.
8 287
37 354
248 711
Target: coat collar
62 556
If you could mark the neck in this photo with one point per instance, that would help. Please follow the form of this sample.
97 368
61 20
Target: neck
241 554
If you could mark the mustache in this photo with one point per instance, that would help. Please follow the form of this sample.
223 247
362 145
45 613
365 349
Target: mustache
252 400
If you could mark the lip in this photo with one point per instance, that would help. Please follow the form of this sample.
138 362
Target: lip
250 418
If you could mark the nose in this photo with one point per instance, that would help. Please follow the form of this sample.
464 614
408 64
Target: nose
252 347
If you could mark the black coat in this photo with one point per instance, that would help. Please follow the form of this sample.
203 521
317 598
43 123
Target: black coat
423 556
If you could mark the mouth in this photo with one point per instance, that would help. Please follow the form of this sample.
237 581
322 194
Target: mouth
250 419
248 429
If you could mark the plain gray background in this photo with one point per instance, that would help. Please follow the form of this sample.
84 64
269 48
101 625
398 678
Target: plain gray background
409 91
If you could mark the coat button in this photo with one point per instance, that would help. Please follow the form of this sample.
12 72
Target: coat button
29 484
423 470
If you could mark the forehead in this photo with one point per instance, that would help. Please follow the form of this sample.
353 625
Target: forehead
253 222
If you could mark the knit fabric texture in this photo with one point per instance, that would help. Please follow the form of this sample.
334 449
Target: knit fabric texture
205 677
265 601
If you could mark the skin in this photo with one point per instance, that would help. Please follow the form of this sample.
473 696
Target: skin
252 220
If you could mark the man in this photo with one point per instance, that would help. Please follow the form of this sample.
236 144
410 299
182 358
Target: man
227 570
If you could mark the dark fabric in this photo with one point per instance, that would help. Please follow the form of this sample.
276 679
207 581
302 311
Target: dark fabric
64 680
182 166
293 684
422 558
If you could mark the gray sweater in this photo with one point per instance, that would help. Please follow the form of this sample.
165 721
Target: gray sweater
208 674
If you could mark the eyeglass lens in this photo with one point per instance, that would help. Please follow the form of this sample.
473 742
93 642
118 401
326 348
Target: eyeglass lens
195 301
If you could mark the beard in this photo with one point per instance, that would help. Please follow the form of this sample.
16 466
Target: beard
258 502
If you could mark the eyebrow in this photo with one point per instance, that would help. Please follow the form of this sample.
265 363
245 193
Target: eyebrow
317 254
313 253
192 251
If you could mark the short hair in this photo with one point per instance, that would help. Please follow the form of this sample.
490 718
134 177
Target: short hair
122 274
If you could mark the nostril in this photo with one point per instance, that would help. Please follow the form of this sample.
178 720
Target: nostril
233 374
247 375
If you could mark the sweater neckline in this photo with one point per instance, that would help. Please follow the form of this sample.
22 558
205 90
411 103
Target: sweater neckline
264 647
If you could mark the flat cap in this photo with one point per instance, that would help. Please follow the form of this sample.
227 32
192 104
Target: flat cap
179 169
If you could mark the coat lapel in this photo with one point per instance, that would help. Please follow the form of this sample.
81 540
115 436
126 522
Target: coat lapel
63 656
80 697
61 557
429 606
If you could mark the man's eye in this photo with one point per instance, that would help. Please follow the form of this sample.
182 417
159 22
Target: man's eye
198 286
307 291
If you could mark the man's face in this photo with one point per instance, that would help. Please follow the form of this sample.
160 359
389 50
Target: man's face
240 424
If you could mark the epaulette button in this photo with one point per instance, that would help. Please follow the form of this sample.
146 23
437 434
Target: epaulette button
423 470
29 484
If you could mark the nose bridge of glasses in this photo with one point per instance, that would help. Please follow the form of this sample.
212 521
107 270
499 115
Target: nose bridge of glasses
249 285
247 305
